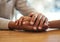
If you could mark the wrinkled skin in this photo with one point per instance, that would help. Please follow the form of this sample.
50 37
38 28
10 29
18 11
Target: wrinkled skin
24 24
38 20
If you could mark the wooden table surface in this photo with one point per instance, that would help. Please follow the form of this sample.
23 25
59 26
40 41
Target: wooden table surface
16 36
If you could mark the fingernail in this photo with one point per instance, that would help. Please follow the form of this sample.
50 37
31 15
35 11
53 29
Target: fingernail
23 22
39 27
31 23
34 28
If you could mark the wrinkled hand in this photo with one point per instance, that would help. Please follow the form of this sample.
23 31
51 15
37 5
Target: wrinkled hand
24 24
39 21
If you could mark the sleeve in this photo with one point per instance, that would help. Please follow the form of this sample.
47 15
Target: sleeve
4 23
24 7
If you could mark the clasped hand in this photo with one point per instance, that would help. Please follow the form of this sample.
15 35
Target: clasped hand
33 22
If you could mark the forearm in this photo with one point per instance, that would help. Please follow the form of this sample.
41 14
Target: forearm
7 24
54 24
4 23
12 25
24 7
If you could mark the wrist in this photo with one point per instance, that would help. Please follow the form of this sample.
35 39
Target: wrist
50 25
12 25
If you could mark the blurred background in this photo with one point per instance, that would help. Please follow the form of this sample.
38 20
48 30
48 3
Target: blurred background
50 8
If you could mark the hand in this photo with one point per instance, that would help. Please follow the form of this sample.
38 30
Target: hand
23 23
38 20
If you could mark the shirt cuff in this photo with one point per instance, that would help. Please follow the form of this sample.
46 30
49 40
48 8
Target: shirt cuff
4 23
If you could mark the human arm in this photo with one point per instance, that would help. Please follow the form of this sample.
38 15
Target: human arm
26 9
8 24
4 23
19 24
25 24
54 24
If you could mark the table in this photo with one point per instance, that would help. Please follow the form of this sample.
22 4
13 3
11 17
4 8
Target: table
17 36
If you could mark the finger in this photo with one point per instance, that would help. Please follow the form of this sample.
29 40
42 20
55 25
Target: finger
16 22
37 21
45 24
26 20
25 23
20 21
41 23
31 14
35 28
27 27
33 19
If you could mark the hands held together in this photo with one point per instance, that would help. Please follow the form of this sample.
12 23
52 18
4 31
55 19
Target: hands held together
33 22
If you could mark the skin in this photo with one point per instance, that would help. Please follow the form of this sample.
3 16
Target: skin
47 24
24 23
35 21
54 24
38 20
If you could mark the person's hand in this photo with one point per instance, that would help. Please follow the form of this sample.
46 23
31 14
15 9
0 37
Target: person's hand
23 23
39 21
